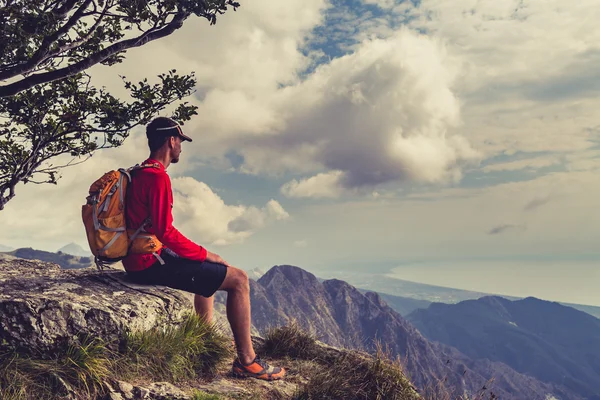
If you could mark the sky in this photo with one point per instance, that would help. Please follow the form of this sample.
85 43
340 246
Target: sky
455 143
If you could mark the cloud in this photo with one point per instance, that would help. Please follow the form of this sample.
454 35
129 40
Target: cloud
204 216
521 83
321 185
536 203
382 114
503 228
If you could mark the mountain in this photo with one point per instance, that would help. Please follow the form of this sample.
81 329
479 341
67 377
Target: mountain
65 261
340 315
402 305
592 310
256 273
408 289
385 285
551 342
74 250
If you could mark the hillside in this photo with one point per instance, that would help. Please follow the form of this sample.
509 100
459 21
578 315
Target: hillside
75 250
340 315
402 305
66 261
552 342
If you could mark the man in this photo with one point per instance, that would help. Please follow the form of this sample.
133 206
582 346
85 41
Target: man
182 264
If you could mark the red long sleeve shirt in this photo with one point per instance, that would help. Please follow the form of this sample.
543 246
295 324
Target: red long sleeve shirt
150 194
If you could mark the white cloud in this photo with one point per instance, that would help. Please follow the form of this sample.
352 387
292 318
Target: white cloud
525 87
382 114
204 216
321 185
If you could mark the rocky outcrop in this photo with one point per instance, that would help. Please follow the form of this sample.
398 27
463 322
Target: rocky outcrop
43 306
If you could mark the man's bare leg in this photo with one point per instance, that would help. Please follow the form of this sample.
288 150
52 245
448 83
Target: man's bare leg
238 311
204 307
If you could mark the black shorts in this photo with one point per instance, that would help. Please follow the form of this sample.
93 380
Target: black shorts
198 277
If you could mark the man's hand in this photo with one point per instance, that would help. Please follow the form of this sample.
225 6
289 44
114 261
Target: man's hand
215 258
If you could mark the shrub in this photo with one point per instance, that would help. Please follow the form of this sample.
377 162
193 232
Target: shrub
353 376
177 352
82 369
291 341
171 353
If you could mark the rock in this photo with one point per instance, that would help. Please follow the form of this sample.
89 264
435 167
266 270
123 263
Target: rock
126 389
43 306
224 387
165 391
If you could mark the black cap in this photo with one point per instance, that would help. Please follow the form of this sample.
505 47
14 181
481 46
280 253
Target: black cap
164 126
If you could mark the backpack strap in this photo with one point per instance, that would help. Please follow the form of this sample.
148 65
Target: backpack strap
147 220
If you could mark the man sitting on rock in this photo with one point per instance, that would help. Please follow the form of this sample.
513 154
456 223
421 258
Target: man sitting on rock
182 264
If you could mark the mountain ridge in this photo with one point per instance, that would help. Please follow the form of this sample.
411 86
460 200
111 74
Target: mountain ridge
75 250
547 340
64 260
340 315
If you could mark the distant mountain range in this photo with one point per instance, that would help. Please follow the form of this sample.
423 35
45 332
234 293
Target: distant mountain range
66 261
75 250
402 305
340 315
5 248
385 286
551 342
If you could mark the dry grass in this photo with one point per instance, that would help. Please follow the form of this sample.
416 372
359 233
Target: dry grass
173 354
290 341
176 353
352 376
80 370
339 375
440 391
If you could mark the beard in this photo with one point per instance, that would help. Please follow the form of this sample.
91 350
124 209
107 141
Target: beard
175 160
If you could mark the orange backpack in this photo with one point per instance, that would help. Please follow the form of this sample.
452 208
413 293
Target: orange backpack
104 218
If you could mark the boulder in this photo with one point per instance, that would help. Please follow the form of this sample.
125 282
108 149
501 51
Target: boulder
42 306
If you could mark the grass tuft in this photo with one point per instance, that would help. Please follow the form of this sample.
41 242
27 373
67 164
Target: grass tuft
81 369
177 352
173 353
291 341
205 396
354 377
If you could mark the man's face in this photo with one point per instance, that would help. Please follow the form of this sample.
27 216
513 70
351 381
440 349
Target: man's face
175 149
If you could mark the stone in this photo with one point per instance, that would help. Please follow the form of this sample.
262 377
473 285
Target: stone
43 306
225 387
126 389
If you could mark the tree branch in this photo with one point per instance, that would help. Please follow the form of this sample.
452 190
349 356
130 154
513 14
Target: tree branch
65 8
42 53
29 82
82 39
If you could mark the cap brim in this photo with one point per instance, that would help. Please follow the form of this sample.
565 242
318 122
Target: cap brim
182 136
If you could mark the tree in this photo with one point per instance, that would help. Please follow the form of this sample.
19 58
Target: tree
48 105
